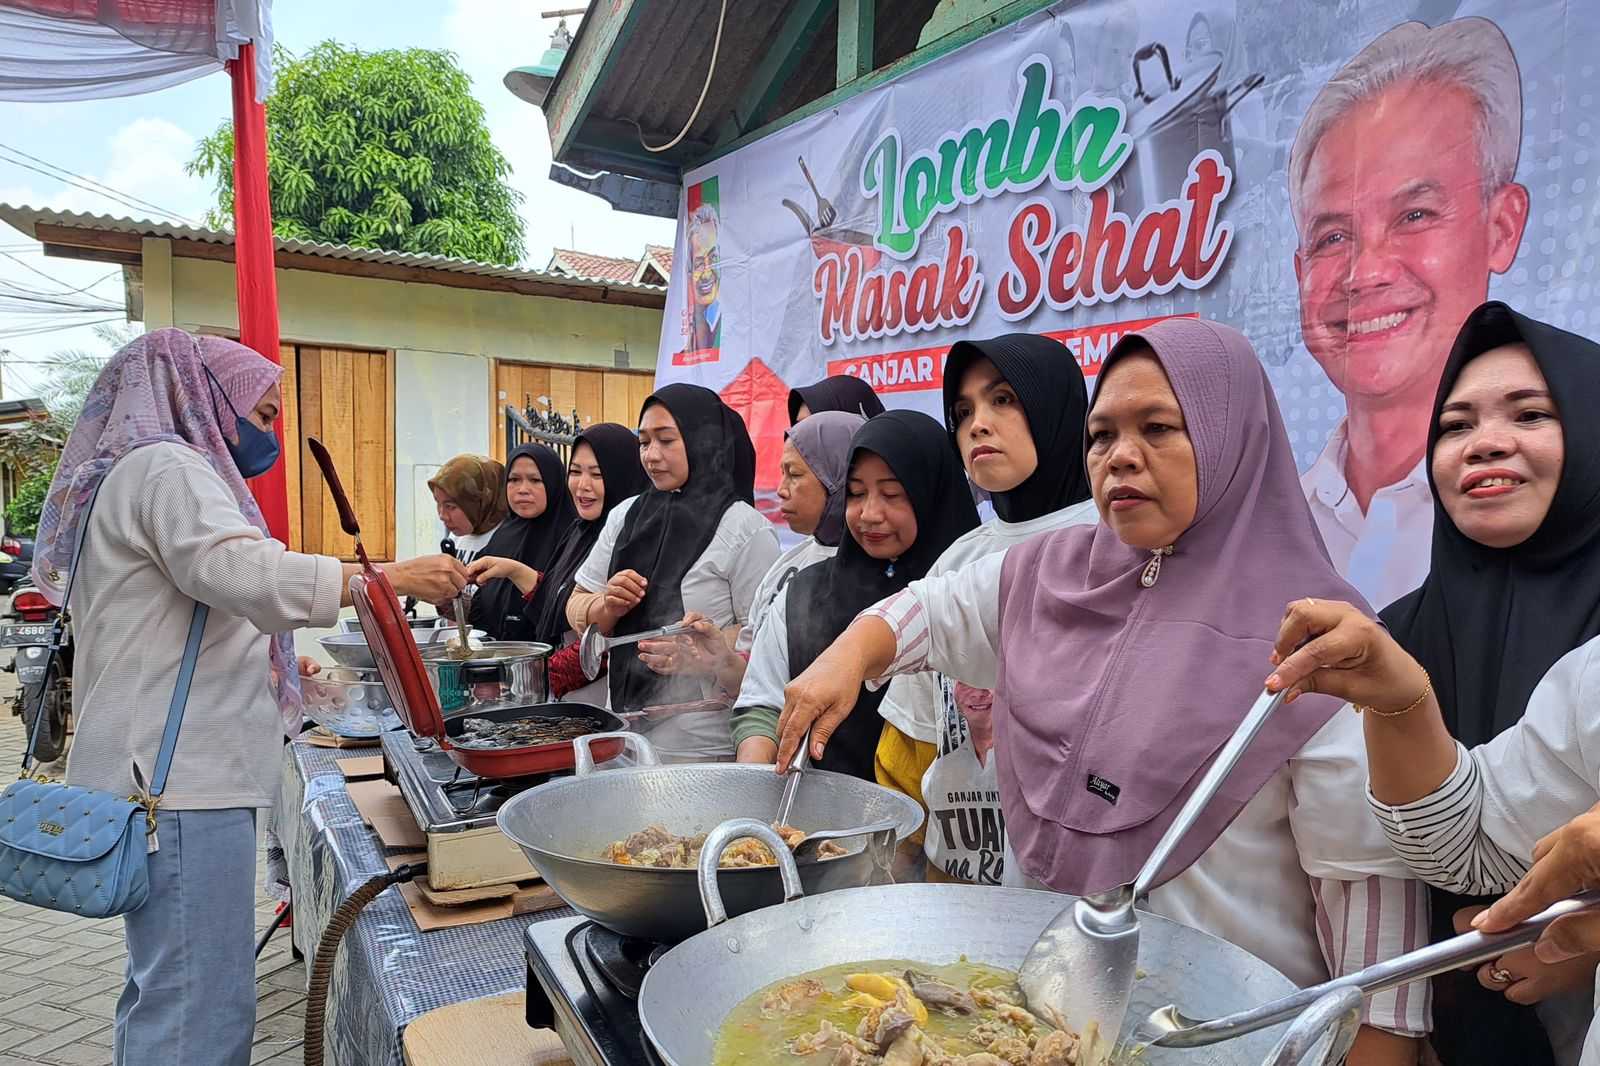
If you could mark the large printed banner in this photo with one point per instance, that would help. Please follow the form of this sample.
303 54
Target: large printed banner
1343 180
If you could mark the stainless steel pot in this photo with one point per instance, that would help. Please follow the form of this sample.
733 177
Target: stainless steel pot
1177 118
565 826
689 991
502 674
350 649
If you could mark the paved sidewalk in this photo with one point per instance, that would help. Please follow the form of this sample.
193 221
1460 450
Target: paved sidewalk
60 975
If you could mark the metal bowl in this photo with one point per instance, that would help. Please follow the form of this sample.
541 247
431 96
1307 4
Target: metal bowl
502 673
349 703
350 649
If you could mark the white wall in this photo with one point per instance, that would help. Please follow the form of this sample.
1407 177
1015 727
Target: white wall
441 410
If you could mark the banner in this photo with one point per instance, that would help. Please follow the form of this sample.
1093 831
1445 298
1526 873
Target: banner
1344 184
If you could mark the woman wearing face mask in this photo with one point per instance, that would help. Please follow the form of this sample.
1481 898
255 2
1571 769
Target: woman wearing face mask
693 541
1151 624
842 392
907 502
470 494
508 570
1483 736
1014 408
603 472
152 483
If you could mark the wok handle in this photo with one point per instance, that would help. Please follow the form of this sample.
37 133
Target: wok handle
583 751
330 474
1243 89
717 842
1339 1013
1469 949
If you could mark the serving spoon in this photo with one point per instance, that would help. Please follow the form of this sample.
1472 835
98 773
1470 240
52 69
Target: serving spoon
1170 1027
1079 974
593 645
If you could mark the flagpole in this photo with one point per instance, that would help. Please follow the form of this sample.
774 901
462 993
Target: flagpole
254 271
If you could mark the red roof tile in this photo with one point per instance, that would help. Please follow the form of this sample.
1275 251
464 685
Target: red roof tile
597 267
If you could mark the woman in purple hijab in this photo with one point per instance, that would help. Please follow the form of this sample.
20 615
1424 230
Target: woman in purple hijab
1123 654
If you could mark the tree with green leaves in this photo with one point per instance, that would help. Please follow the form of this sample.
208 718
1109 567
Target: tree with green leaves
383 150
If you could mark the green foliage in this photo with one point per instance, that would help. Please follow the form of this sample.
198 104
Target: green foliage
22 513
381 150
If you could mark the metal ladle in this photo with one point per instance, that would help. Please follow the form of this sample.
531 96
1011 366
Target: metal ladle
593 645
1170 1027
1079 974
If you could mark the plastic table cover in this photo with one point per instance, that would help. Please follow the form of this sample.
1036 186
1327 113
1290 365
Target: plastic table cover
388 971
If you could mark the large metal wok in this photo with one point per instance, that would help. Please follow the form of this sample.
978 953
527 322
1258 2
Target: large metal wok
689 991
564 826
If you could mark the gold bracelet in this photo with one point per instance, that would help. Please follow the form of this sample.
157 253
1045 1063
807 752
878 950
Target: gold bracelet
1427 690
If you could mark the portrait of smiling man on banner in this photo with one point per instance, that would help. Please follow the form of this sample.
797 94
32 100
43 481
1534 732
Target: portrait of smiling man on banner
1401 182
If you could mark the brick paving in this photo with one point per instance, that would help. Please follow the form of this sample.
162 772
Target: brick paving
60 975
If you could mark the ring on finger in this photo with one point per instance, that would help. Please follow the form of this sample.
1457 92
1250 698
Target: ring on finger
1501 976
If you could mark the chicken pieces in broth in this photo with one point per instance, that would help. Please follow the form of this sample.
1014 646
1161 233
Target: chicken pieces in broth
654 846
893 1013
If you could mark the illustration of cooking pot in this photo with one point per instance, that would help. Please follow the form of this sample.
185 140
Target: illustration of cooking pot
1174 122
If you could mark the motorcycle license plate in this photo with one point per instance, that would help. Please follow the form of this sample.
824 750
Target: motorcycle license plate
14 636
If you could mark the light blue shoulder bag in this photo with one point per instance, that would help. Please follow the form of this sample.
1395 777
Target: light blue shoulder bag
81 850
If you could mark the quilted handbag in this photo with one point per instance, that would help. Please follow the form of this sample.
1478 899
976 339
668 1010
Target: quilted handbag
81 850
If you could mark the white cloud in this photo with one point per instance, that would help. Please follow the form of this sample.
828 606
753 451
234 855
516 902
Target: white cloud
491 37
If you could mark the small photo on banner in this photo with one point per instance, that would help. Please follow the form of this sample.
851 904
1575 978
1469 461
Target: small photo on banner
703 316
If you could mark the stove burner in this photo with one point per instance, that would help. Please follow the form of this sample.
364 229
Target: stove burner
621 960
471 795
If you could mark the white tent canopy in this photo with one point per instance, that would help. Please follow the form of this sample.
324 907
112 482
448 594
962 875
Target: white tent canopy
54 50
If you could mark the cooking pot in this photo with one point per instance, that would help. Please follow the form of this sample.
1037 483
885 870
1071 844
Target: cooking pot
502 673
350 649
1176 119
688 992
565 826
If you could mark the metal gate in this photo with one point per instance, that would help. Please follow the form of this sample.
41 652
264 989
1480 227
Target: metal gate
541 427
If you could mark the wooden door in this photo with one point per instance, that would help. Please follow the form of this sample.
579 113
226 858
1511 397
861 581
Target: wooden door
345 398
597 395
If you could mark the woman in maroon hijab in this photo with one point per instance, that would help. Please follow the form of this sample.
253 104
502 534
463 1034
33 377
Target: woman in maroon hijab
1123 654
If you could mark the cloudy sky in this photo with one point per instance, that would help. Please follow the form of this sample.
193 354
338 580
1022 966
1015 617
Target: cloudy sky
139 145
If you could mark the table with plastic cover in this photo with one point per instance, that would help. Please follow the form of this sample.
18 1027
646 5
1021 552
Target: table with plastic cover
387 971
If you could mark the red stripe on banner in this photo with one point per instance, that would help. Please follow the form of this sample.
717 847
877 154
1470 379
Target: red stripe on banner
922 369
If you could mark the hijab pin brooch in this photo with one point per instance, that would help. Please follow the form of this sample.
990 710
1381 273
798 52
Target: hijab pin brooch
1152 569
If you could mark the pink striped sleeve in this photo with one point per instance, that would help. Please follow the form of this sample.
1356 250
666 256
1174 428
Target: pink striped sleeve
904 614
1360 923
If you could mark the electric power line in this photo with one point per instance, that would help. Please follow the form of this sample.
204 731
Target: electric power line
51 277
125 198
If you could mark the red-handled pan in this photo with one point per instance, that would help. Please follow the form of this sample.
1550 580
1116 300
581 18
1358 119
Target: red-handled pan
399 663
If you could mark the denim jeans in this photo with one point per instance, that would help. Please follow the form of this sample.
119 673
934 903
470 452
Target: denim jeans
190 997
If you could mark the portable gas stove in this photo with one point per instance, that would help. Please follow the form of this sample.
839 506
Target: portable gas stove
455 810
583 982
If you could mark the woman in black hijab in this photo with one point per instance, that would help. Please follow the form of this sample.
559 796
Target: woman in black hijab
509 569
693 541
842 392
1508 609
912 458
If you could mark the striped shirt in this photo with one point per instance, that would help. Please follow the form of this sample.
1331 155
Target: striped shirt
1303 877
1476 832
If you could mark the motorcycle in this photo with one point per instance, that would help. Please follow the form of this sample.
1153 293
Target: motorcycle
44 689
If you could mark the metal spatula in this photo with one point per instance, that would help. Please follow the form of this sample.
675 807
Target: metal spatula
1079 973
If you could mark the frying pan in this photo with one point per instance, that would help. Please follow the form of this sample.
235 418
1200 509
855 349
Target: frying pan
400 664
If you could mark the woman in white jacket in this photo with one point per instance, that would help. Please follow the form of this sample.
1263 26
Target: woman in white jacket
152 482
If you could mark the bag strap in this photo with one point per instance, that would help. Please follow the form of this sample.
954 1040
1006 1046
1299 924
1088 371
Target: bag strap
58 629
180 694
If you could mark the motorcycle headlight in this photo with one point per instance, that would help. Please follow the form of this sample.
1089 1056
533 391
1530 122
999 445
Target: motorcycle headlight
33 652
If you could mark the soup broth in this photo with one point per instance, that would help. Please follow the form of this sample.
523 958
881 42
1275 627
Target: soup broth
892 1012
